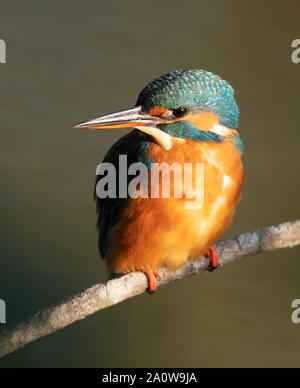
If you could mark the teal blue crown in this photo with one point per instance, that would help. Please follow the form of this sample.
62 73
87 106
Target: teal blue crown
200 88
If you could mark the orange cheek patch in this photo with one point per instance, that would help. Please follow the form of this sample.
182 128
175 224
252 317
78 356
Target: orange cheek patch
157 111
202 120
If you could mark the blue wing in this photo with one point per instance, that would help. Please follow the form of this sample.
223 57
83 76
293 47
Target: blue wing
110 210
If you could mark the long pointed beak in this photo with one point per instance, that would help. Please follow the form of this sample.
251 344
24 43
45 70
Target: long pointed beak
124 119
137 119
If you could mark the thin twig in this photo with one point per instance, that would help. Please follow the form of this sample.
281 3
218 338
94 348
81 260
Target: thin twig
116 290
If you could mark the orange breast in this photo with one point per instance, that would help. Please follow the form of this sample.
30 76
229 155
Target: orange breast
164 232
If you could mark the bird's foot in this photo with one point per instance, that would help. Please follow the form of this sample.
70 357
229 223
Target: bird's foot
152 276
214 260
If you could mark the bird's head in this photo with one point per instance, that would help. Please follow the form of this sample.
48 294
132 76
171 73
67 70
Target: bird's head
193 104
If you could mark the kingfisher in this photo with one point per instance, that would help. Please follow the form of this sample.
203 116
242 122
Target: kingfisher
184 117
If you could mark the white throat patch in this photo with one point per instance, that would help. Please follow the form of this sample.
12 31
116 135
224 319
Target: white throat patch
165 140
221 130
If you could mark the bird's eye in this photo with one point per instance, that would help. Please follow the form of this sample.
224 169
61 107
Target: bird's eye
180 112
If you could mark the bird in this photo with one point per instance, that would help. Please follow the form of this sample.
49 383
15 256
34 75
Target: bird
184 117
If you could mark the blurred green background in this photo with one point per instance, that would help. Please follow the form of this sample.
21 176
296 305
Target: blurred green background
70 61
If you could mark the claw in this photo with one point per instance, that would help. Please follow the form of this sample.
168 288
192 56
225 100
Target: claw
214 260
156 274
152 276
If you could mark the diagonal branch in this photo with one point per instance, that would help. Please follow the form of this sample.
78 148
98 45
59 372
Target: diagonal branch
103 295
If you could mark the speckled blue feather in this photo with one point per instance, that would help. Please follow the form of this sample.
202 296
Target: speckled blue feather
198 88
185 130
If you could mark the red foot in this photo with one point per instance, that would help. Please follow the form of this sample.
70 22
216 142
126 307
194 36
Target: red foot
152 276
214 260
